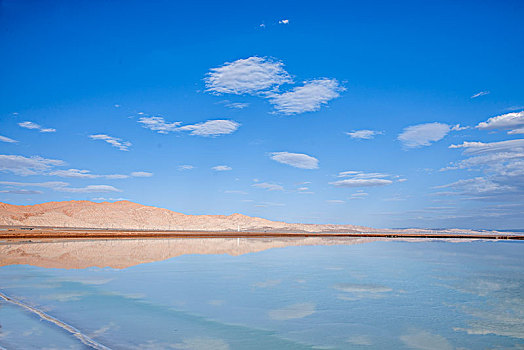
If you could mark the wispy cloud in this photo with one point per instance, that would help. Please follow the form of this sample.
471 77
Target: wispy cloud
89 189
235 105
141 174
423 340
506 121
62 186
186 167
21 192
113 141
35 126
86 174
7 139
423 134
222 168
20 165
297 160
247 76
158 124
502 164
481 93
306 98
361 179
268 186
207 128
212 128
364 134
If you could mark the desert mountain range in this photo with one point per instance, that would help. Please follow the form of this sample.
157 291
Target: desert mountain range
133 216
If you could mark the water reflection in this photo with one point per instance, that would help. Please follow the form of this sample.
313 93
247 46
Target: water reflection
339 295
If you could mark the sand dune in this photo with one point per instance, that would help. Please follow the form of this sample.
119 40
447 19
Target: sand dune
129 215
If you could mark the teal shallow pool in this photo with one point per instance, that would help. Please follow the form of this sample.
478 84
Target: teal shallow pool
377 295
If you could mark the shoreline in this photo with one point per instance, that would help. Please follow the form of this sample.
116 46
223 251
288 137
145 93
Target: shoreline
73 233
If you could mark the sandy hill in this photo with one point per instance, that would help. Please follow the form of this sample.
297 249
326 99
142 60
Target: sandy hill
129 215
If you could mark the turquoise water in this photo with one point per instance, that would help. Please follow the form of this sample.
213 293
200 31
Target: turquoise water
378 295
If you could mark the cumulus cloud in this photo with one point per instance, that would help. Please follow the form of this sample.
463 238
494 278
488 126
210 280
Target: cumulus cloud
423 134
476 147
361 179
212 128
247 76
297 160
113 141
283 21
294 311
263 76
7 139
20 165
364 134
480 93
89 189
506 121
306 98
268 186
158 124
222 168
34 126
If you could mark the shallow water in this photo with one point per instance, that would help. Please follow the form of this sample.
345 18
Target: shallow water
375 295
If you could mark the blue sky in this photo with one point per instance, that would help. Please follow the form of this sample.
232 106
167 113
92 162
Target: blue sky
371 113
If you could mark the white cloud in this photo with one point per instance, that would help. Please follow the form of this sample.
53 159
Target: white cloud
49 184
7 139
358 195
247 76
268 186
20 165
481 93
212 128
34 126
306 98
21 192
222 168
158 124
297 160
516 131
89 189
207 128
335 201
237 105
294 311
361 179
185 167
516 145
113 141
141 174
423 134
283 21
364 134
86 174
62 186
506 121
